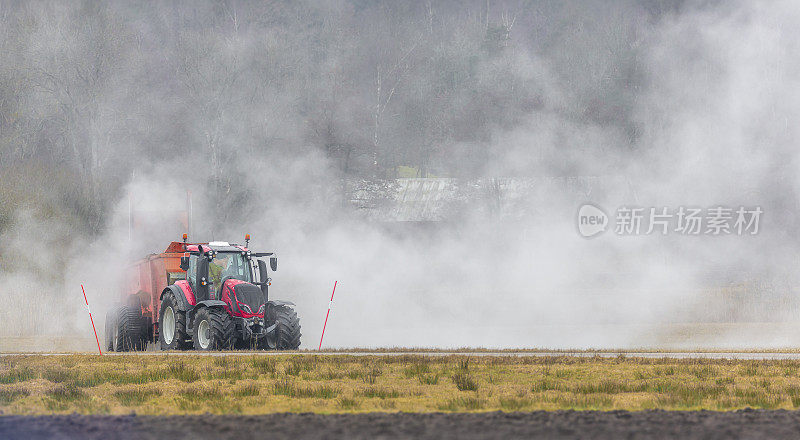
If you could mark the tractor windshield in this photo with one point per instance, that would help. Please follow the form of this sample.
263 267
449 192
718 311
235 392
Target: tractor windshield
228 264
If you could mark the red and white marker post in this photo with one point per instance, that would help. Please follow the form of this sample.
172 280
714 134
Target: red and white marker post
326 316
91 319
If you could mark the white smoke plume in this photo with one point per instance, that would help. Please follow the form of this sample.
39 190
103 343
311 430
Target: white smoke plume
709 123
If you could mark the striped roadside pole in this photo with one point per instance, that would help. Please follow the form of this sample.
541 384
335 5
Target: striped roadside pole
326 316
91 319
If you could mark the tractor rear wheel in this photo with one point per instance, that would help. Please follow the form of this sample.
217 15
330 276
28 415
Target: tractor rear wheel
287 333
129 333
213 329
172 325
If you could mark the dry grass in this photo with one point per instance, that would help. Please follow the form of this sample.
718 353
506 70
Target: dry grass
343 383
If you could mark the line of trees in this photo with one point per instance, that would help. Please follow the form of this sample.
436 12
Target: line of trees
92 92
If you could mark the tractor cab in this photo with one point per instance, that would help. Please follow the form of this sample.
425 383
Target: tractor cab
208 267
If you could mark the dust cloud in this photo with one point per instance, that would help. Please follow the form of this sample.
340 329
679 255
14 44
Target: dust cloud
639 104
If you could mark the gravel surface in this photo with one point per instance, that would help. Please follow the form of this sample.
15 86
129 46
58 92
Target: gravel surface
741 355
749 424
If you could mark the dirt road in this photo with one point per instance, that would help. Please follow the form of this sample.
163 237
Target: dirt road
740 355
750 424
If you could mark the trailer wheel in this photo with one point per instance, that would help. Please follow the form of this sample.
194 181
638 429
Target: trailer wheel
213 329
171 325
128 331
109 330
287 332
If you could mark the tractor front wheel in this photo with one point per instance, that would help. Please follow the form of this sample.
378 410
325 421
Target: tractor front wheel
287 332
213 329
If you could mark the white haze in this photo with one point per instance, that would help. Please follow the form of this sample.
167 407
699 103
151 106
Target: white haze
718 116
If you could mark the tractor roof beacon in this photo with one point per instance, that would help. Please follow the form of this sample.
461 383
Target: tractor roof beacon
207 296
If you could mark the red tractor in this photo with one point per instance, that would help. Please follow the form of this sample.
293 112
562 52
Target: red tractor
210 296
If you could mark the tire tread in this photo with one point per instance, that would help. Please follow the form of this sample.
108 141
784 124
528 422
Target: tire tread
181 335
131 332
288 330
222 327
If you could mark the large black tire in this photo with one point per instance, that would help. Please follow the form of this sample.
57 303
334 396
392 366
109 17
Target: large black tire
180 338
287 333
213 329
109 330
130 332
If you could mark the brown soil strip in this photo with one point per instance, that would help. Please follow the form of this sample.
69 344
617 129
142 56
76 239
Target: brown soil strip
751 424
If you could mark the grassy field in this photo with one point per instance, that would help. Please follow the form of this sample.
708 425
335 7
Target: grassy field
90 384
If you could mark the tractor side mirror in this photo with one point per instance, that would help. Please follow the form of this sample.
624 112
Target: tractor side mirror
273 263
184 263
